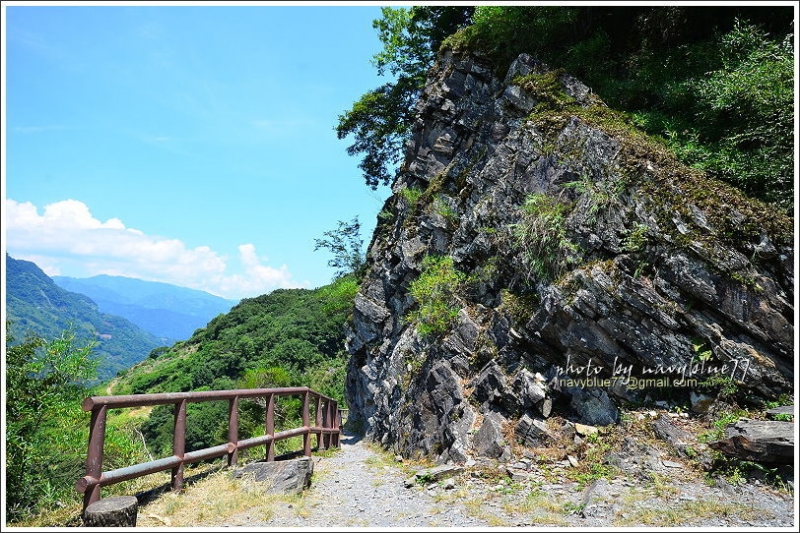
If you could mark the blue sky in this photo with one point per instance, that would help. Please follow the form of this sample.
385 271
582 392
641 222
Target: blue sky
193 145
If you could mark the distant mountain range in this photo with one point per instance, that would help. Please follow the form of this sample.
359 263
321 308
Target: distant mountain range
35 304
162 309
128 317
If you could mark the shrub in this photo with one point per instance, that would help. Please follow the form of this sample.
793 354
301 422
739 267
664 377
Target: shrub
437 293
338 297
411 195
542 237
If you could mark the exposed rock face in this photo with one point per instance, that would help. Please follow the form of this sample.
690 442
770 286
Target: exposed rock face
625 262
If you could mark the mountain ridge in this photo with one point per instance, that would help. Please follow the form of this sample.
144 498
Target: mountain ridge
35 304
163 309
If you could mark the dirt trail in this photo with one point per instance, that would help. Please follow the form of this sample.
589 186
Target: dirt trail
358 487
355 488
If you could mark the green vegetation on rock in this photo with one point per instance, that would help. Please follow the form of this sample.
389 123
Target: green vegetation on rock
437 292
542 236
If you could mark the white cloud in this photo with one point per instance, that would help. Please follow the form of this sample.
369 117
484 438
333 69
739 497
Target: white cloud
67 234
255 275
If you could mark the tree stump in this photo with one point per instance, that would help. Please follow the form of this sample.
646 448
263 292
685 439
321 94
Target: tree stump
118 511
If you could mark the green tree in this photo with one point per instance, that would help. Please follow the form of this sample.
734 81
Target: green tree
717 88
43 393
744 127
345 244
379 122
715 82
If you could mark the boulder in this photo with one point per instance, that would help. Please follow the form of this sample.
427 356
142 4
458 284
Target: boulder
488 441
682 442
491 386
594 406
278 477
532 392
763 441
782 410
532 432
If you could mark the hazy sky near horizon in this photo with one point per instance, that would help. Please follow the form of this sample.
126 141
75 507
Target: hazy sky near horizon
192 145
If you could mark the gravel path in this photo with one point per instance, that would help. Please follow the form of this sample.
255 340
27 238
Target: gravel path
353 488
357 487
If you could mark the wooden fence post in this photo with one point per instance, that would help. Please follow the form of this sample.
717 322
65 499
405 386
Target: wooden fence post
270 429
307 435
179 444
94 456
326 423
336 423
318 420
233 429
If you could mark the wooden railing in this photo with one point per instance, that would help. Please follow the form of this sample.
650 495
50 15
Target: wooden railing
326 427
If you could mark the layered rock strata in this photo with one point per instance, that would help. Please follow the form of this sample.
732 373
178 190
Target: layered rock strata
581 249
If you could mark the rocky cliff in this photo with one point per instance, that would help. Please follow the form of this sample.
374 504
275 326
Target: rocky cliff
539 251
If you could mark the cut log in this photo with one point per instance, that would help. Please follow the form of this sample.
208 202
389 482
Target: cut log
764 441
118 511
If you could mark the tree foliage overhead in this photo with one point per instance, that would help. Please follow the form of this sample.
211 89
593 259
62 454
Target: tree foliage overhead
715 82
379 121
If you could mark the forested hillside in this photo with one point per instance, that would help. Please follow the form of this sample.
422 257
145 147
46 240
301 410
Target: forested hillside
36 305
297 330
289 337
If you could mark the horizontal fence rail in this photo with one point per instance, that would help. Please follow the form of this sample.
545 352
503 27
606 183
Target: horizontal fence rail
326 427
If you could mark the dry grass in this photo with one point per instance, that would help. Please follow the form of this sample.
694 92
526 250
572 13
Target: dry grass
70 514
540 508
384 458
475 508
213 500
662 486
685 513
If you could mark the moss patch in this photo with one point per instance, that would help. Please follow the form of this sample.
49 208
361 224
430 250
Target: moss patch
547 88
646 161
